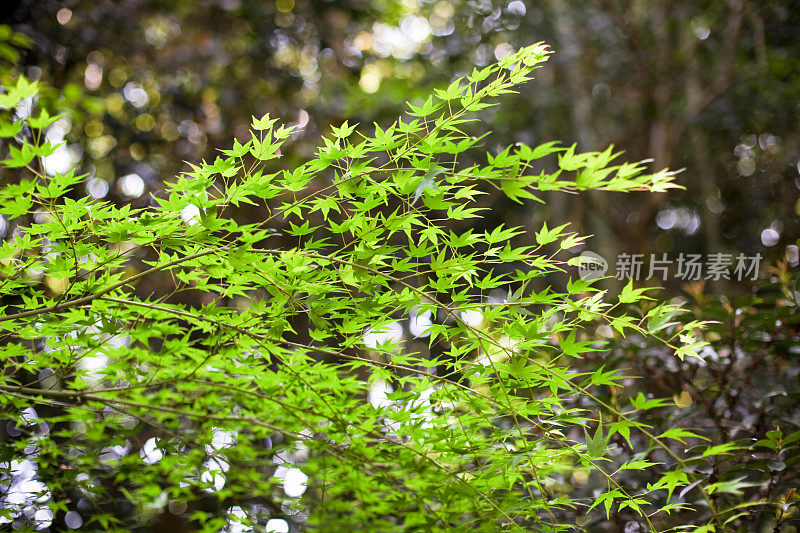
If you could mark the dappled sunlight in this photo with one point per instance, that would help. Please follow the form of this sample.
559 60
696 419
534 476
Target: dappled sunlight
294 266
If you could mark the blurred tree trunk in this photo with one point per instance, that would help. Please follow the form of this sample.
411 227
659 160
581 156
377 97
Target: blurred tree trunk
604 241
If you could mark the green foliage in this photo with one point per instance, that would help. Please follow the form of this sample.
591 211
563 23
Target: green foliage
741 387
10 44
295 361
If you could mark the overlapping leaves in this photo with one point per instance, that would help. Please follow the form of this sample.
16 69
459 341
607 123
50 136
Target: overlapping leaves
304 357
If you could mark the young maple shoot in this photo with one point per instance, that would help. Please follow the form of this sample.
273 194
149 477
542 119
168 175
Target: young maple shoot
291 388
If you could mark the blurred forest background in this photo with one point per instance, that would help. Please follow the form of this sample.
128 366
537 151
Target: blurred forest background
709 86
712 87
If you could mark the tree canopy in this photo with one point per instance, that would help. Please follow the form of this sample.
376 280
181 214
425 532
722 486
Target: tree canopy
238 299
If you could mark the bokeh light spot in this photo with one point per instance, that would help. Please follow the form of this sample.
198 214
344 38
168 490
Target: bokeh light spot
131 185
770 237
64 15
284 6
73 520
277 525
97 188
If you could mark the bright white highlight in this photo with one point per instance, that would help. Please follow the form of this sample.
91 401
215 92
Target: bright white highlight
295 482
391 333
379 394
150 453
277 525
472 317
131 185
190 214
419 323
